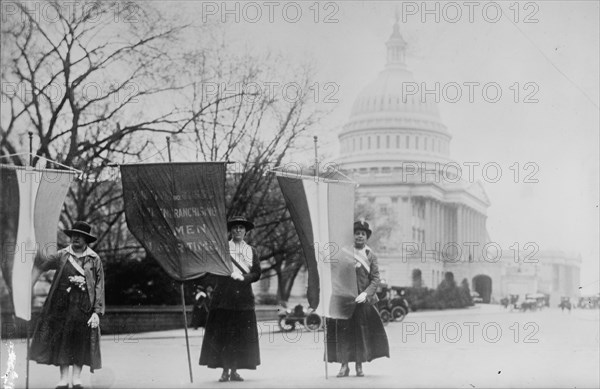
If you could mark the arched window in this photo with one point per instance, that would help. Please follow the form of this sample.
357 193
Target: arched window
360 146
407 142
378 142
353 144
397 141
369 142
387 141
417 142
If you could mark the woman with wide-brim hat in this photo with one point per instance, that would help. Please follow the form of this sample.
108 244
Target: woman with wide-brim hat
362 337
231 337
67 332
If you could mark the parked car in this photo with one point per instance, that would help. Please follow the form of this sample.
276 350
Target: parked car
392 305
289 318
529 304
399 304
540 299
590 301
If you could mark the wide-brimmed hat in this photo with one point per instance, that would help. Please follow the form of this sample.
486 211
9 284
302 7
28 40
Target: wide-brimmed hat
364 226
81 228
239 220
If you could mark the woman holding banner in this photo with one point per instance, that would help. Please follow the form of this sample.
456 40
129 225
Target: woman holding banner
67 332
231 336
362 337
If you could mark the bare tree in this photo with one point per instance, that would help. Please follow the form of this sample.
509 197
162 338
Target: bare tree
99 82
243 109
84 77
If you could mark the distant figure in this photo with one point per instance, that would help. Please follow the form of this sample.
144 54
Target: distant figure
504 301
231 337
514 299
565 303
67 332
201 304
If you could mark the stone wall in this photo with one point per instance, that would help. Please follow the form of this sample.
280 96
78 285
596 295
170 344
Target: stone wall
128 320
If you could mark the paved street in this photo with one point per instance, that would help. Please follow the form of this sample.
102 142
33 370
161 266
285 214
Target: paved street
481 347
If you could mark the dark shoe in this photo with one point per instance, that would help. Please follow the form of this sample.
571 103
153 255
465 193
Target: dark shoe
224 377
236 377
78 386
359 370
62 387
344 371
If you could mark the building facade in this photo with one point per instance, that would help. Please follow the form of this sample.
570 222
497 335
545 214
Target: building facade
396 147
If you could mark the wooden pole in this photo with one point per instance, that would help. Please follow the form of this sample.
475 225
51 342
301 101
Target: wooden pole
169 147
27 353
187 339
315 138
30 148
27 322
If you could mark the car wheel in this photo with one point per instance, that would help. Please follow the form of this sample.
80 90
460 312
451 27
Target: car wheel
398 313
313 322
286 325
385 316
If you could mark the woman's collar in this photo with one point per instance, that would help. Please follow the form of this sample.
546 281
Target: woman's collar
88 252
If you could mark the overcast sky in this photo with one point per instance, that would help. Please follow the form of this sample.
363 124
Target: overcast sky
549 48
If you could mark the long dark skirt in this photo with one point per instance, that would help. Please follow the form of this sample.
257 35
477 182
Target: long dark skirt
230 340
199 316
62 336
361 338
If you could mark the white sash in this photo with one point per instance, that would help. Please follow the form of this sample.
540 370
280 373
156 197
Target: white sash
87 252
361 257
242 255
76 265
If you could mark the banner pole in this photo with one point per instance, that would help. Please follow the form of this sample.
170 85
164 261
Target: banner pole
187 341
27 356
30 148
169 147
315 138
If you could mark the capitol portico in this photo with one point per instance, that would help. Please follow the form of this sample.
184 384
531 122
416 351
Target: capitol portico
396 147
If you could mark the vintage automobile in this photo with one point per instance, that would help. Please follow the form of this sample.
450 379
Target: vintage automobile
287 319
540 299
589 301
399 304
529 304
392 305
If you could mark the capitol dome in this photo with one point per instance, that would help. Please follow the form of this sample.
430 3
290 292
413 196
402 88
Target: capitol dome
393 120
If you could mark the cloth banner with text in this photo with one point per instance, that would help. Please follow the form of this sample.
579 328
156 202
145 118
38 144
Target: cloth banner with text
322 209
30 203
177 212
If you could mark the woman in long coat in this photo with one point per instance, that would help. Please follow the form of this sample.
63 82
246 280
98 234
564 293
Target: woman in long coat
362 337
231 336
67 332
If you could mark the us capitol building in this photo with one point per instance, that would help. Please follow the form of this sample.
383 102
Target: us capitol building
396 146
